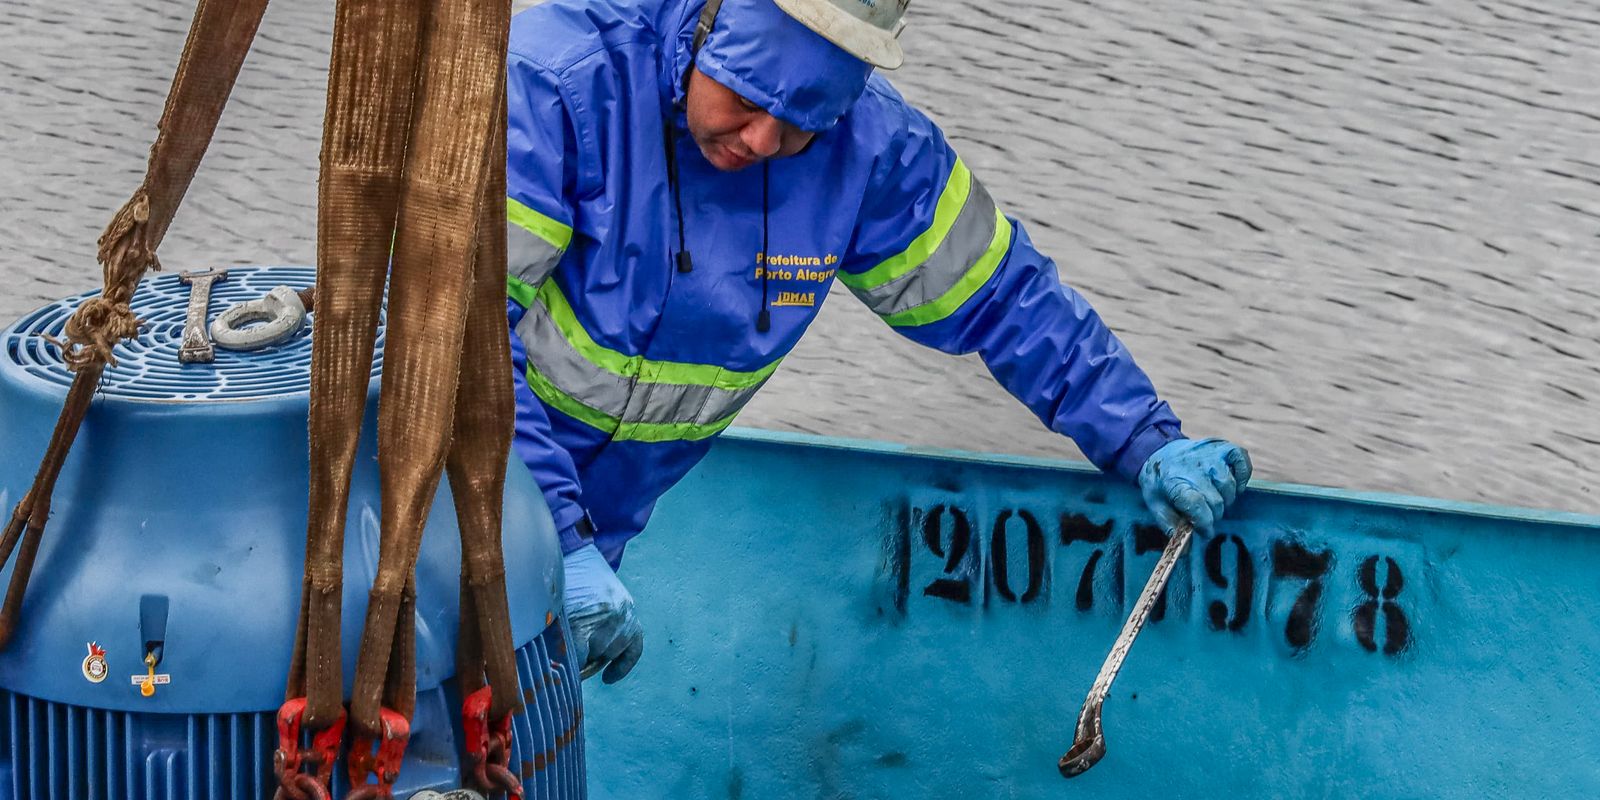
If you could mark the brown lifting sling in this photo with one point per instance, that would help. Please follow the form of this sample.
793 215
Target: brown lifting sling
413 155
416 155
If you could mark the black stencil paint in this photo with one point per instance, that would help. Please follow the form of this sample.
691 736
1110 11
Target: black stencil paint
1036 556
959 587
1078 528
1292 560
1396 626
1153 539
1085 599
1243 584
974 566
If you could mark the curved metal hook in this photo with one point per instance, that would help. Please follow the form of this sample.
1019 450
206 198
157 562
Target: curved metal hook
1089 740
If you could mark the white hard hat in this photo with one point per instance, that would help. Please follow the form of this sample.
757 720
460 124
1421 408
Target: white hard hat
866 29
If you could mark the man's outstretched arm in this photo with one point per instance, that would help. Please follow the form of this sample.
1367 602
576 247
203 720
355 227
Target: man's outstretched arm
937 259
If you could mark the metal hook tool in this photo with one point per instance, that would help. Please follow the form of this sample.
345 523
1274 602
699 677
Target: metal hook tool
1089 741
196 347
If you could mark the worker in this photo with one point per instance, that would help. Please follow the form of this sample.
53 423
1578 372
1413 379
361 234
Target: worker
685 182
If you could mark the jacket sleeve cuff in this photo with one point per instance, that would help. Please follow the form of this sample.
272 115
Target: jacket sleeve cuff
1138 450
566 519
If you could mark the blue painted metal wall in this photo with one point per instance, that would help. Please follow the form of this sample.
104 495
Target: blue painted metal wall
832 620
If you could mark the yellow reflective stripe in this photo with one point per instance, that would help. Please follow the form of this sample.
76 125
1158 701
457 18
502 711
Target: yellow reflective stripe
670 432
550 230
951 201
553 304
571 330
520 291
630 366
632 431
965 288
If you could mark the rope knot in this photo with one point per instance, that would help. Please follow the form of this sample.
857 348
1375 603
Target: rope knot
125 244
93 330
125 254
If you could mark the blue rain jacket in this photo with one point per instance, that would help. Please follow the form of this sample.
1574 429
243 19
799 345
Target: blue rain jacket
627 367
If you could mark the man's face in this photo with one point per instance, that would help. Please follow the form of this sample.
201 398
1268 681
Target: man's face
733 132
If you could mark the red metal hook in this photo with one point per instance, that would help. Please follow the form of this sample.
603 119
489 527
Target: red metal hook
290 760
488 745
384 764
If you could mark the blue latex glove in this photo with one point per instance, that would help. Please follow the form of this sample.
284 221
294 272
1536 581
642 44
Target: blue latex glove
1193 479
605 632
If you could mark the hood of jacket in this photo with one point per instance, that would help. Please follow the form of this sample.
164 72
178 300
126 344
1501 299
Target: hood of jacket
769 58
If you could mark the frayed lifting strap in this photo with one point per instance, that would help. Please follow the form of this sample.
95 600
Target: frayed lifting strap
218 39
391 173
414 165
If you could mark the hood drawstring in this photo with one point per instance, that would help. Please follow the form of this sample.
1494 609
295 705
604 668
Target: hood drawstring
764 319
684 259
670 131
702 30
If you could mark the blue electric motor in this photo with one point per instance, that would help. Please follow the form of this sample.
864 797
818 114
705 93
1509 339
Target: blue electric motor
178 530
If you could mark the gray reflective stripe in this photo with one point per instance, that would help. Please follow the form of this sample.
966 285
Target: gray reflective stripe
678 404
970 237
567 369
529 258
622 398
